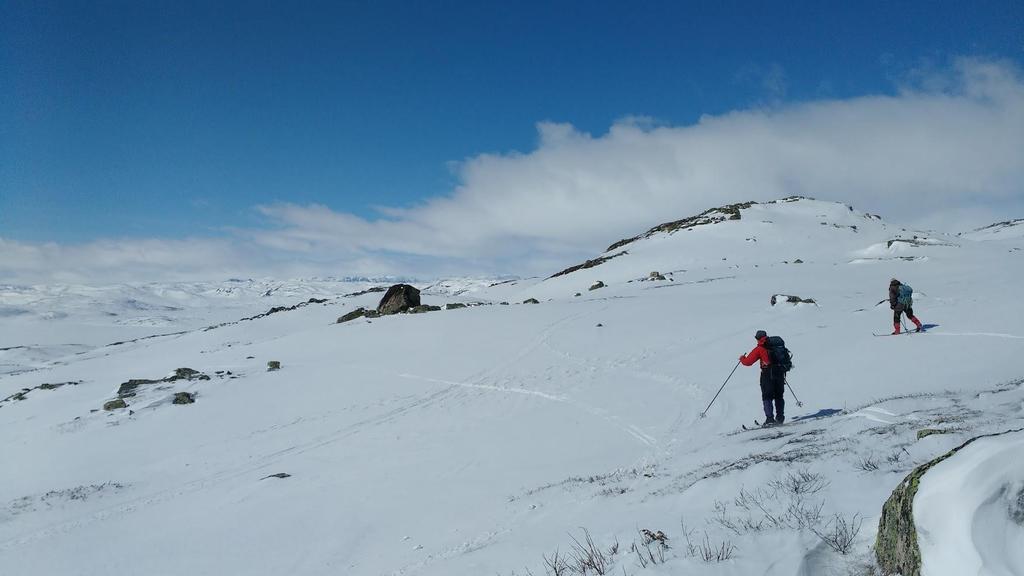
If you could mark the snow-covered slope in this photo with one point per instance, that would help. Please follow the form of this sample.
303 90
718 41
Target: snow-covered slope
45 323
481 440
1011 229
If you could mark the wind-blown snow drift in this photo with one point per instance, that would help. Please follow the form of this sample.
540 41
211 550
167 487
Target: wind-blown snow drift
969 510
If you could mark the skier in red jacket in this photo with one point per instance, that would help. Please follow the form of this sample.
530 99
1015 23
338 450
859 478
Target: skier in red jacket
773 386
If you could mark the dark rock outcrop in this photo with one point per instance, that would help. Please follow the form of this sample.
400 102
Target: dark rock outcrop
926 432
596 285
367 291
398 298
187 374
531 301
588 264
127 389
357 313
115 405
22 394
778 298
273 365
712 216
423 308
184 398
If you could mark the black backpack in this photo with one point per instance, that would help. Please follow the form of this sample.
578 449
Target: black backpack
778 354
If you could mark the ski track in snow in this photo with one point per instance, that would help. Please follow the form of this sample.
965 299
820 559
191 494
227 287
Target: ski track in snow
491 387
262 464
989 334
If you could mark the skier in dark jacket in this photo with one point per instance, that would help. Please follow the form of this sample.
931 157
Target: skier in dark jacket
773 382
898 308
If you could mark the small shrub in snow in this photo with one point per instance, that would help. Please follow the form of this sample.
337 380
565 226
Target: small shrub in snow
840 533
896 457
766 509
557 565
707 551
868 463
651 549
800 483
802 514
587 557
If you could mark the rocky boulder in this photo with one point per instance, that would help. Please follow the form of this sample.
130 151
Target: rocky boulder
184 398
128 389
115 404
399 298
896 546
789 299
187 374
357 313
596 285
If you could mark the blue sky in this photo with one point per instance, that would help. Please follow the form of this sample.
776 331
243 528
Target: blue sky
177 120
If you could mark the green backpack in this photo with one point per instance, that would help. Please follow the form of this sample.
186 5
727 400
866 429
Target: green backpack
905 296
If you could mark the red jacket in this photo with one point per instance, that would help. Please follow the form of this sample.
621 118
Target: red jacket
758 353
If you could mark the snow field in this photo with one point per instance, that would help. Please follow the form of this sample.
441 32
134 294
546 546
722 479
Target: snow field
476 441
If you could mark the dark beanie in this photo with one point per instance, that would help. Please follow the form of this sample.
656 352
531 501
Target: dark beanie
760 334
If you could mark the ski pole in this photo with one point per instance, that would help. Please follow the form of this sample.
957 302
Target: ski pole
798 402
705 412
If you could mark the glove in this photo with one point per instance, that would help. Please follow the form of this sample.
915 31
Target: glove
742 356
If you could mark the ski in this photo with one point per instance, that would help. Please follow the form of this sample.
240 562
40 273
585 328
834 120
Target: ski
901 333
760 426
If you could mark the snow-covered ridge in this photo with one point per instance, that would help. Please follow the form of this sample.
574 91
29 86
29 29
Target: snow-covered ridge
1010 229
721 214
742 236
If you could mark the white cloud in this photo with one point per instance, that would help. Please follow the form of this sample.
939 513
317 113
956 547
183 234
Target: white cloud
945 150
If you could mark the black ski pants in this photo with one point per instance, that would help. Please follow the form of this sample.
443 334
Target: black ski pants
899 309
773 390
